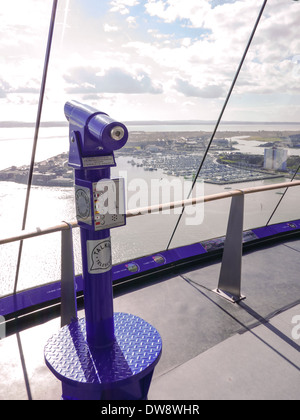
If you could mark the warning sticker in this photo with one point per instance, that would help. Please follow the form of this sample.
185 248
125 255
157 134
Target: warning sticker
99 256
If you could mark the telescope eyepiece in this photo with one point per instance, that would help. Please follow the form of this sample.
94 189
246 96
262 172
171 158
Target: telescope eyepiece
117 133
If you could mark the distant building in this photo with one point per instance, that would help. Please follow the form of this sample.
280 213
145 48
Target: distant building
222 143
268 163
276 159
295 140
152 148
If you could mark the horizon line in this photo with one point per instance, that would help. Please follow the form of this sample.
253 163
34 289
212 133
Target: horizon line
15 124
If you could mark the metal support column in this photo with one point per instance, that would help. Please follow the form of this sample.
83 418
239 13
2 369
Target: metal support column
229 286
68 287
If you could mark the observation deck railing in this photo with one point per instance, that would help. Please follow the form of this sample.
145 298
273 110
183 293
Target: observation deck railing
230 277
26 234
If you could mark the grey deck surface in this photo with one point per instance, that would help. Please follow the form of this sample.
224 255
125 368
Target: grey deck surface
212 349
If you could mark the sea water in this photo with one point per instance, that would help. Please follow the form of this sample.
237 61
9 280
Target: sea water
49 206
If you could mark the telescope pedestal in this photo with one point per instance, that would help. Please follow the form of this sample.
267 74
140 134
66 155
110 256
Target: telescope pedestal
121 371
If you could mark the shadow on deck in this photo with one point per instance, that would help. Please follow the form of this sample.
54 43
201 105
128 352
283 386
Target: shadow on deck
212 349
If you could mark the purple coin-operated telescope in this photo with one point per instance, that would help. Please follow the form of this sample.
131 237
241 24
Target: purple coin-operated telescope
106 355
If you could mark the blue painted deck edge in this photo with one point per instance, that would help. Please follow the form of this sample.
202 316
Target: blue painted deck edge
51 292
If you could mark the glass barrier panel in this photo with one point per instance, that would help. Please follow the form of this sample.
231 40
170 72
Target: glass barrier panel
258 208
8 261
41 261
202 222
288 208
24 31
165 72
256 143
148 182
144 76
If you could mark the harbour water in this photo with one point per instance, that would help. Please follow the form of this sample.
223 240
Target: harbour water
142 235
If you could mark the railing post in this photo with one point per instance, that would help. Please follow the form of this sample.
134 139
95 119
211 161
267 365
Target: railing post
68 286
2 327
229 286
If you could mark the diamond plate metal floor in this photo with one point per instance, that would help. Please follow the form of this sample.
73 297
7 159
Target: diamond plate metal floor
212 349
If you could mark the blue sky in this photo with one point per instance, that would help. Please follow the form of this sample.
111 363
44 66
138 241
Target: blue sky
152 59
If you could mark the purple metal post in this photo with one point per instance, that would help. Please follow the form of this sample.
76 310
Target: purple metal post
93 138
98 296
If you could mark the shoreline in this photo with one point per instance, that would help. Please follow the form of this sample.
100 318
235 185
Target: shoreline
52 172
176 153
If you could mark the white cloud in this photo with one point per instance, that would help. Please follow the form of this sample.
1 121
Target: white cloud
208 91
170 10
110 28
122 6
215 56
186 42
129 3
173 48
90 80
132 23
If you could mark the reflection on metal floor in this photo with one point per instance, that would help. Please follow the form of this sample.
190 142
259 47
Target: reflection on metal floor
212 349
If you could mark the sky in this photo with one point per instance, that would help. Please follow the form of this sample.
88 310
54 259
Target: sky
151 59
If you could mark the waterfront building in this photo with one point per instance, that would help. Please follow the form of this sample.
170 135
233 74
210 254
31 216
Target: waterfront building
276 159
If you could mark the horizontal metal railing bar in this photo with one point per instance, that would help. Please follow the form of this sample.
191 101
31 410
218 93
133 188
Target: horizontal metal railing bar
209 198
26 234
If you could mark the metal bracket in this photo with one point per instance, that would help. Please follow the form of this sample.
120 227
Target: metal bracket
229 286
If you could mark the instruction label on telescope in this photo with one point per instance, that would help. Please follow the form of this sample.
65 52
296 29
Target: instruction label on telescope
99 256
98 161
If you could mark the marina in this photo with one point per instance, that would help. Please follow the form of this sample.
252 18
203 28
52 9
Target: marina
212 171
177 156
